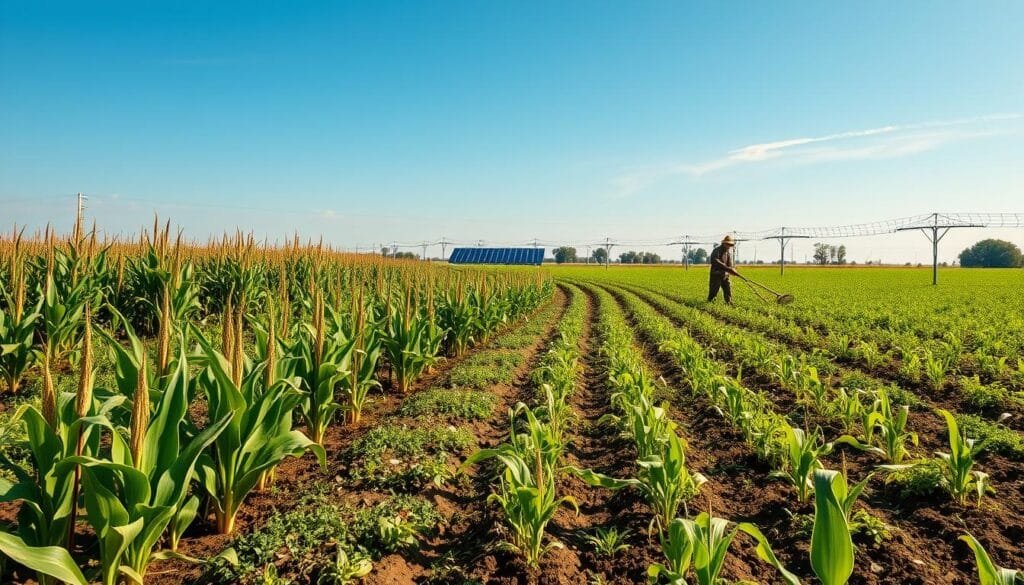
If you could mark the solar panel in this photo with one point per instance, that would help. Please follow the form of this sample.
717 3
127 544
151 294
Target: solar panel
534 256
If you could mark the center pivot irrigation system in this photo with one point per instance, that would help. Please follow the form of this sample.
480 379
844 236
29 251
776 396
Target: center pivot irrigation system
934 226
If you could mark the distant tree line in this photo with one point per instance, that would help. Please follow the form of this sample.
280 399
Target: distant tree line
387 253
632 257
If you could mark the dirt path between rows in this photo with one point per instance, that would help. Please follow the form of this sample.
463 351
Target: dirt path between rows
464 547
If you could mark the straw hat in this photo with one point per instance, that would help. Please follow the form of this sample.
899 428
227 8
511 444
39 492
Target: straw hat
727 241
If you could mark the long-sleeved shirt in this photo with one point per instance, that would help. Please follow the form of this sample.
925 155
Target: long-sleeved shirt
724 255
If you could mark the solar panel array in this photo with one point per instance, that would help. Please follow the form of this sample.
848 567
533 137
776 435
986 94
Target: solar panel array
497 256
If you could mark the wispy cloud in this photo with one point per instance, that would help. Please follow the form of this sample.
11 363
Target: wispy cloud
873 143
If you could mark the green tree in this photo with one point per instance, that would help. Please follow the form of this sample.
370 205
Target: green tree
992 254
564 254
822 253
841 254
650 258
698 256
630 257
600 255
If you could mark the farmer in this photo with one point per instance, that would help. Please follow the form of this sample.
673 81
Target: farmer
721 268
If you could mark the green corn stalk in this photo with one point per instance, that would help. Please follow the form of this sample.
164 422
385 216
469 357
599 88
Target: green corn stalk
527 491
704 543
134 496
320 360
258 437
17 330
831 543
891 425
803 457
458 318
64 429
961 479
667 482
988 572
365 355
410 344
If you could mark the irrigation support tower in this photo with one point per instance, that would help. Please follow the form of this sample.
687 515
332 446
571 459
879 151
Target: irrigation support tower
783 239
934 233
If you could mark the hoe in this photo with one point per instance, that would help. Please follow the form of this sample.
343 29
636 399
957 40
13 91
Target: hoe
782 299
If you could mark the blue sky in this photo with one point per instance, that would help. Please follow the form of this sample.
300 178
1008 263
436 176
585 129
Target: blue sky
502 121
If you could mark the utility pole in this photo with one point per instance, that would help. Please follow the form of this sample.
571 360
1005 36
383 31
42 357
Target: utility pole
424 256
608 252
80 215
444 248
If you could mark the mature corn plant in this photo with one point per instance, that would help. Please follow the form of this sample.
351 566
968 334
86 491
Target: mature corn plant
66 427
18 351
458 317
319 360
411 341
259 435
138 491
365 357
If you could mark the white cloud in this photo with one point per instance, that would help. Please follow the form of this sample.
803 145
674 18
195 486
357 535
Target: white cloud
873 143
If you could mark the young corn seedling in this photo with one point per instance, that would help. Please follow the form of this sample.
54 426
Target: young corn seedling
803 453
891 426
935 369
988 572
667 482
527 493
961 479
703 543
832 547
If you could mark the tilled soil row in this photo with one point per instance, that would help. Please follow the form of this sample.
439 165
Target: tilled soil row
596 445
465 547
900 559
